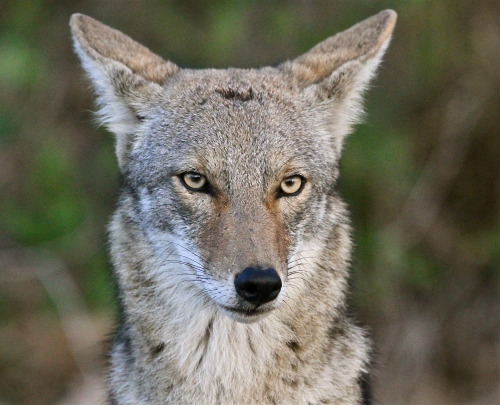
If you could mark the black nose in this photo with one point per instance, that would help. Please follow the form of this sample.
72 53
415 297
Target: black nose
258 286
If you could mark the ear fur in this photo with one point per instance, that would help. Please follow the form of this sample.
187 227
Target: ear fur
336 72
125 74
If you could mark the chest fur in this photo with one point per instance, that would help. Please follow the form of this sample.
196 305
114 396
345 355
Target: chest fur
213 360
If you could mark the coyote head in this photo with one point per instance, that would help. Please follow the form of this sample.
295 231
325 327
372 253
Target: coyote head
230 174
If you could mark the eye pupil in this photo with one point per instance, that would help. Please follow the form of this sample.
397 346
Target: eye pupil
194 181
195 178
292 185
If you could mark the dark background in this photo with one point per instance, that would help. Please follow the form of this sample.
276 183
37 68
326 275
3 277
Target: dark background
422 177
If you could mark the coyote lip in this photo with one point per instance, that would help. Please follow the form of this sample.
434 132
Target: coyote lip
247 312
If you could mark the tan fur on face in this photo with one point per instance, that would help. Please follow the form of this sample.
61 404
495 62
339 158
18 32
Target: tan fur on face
254 237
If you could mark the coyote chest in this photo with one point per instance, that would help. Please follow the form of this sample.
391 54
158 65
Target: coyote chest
230 244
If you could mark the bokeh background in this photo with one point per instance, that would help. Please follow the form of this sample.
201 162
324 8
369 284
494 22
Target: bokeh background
422 177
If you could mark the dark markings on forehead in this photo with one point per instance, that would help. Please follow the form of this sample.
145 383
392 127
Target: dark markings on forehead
237 95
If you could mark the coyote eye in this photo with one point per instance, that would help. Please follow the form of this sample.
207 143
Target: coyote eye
194 181
291 186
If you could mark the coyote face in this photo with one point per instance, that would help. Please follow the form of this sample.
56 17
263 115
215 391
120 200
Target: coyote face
229 207
231 171
230 179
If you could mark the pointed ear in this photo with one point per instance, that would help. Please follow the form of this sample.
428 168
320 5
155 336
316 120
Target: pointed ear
336 71
126 75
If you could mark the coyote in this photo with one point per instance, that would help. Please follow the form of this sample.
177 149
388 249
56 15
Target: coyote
230 244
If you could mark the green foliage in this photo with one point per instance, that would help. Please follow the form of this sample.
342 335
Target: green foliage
49 205
97 282
18 62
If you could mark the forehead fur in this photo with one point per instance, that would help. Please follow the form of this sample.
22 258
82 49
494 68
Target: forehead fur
243 118
307 105
265 84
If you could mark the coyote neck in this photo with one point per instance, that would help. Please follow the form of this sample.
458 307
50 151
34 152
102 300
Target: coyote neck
214 360
175 347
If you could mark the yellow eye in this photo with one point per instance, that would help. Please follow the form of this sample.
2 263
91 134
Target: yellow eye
194 181
292 185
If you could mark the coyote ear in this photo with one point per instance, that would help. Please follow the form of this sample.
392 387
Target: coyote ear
125 74
336 71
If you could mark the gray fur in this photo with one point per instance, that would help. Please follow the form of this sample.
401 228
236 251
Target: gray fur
176 252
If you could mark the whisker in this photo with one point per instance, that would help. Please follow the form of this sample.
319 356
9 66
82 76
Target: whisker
172 261
194 254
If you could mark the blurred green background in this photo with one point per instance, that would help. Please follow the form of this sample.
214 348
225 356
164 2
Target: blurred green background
422 177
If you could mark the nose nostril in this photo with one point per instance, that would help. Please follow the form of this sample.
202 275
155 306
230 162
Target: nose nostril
258 286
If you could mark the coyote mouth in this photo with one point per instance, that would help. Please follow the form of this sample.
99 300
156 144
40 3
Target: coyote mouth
247 313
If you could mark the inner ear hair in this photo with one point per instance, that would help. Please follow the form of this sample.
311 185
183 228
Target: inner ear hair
361 42
104 44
